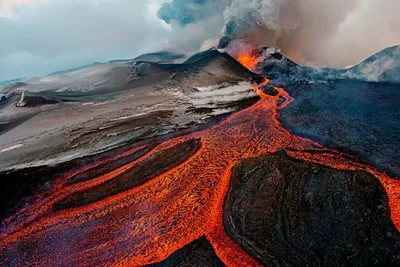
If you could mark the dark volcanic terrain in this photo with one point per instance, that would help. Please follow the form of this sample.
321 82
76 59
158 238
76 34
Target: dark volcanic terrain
164 160
198 253
287 212
360 118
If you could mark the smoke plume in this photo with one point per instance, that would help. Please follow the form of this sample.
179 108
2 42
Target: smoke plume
325 32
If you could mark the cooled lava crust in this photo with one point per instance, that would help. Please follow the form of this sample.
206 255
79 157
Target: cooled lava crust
244 191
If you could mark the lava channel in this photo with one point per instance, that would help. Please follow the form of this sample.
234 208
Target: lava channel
147 223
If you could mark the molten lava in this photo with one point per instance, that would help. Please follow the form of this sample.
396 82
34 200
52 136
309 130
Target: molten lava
248 60
148 223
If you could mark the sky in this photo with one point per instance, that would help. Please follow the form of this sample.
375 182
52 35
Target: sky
38 37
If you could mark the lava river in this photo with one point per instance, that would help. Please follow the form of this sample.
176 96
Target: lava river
148 222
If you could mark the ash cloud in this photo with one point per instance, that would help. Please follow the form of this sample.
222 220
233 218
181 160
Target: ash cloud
196 24
328 33
185 12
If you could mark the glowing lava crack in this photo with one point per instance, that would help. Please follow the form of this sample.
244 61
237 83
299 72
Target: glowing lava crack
147 223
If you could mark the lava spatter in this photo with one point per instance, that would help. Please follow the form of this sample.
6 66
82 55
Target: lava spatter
146 224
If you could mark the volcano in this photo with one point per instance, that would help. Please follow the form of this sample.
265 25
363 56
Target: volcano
151 162
382 67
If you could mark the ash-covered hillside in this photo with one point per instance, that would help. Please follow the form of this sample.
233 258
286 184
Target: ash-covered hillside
70 114
161 57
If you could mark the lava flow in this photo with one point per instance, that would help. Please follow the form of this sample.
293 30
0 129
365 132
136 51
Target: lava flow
147 223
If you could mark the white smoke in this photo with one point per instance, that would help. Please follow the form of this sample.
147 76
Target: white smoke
374 68
301 28
334 33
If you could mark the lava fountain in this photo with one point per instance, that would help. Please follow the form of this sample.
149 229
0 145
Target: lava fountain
147 222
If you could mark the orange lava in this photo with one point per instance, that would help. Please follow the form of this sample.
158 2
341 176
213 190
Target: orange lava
146 224
247 60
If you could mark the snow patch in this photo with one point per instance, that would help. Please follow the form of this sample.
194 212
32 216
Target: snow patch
11 148
220 94
128 117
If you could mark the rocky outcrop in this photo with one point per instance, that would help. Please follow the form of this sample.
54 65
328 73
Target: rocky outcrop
198 253
287 212
32 100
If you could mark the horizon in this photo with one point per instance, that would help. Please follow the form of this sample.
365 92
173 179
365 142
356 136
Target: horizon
40 38
55 72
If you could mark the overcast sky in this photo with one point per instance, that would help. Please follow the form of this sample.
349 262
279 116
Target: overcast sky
38 37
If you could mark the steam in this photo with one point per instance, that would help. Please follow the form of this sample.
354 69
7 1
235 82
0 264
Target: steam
301 28
382 67
325 32
374 70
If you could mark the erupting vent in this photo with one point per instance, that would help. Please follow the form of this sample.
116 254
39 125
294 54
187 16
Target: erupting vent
248 60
